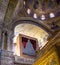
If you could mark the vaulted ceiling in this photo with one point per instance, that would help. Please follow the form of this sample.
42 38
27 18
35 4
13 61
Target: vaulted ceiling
46 12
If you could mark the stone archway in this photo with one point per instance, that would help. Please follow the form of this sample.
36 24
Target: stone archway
27 20
30 21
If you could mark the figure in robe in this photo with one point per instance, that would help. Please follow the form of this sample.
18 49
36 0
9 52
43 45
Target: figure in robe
29 50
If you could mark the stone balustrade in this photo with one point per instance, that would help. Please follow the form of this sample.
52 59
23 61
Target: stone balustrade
24 60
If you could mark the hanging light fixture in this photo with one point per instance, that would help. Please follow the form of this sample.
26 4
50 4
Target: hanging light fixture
43 17
35 16
24 2
28 11
52 15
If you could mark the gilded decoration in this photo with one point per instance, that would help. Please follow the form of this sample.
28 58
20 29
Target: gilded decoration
49 58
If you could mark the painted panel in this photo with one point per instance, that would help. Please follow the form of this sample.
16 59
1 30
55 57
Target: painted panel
50 58
28 46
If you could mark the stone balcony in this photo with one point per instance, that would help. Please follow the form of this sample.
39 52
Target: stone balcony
7 58
24 60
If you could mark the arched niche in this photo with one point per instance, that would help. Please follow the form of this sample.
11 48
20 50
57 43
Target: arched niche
26 20
31 31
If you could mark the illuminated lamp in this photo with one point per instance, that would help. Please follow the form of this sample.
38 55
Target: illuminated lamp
43 17
28 11
35 16
52 15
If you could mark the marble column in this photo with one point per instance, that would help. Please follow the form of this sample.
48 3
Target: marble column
10 41
3 36
0 38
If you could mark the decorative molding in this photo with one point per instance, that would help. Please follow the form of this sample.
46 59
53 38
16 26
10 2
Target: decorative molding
24 60
29 20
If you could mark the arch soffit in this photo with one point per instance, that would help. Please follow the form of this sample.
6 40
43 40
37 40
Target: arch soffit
29 20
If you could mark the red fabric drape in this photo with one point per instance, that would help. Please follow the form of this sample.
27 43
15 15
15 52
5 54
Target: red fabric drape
33 42
24 44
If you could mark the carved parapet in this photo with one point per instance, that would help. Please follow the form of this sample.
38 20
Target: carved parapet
21 60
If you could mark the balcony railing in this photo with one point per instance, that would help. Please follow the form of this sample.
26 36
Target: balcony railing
24 60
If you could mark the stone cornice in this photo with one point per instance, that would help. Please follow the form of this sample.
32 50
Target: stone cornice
30 21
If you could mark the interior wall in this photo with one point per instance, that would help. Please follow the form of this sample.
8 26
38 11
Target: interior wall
32 31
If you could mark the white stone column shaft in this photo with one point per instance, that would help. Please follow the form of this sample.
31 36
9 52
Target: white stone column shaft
8 43
3 37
